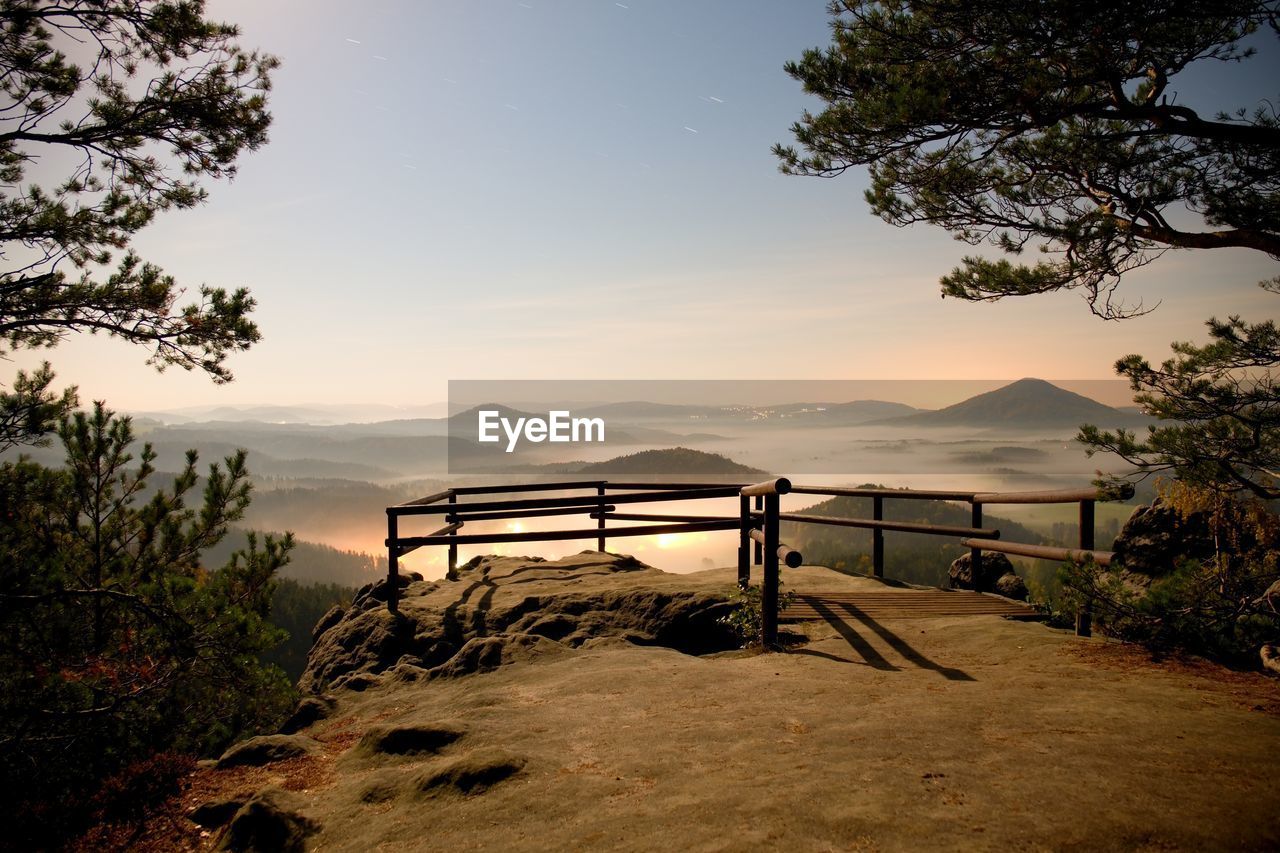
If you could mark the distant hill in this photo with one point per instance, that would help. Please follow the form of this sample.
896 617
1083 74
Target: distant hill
912 557
639 409
844 414
675 460
1027 403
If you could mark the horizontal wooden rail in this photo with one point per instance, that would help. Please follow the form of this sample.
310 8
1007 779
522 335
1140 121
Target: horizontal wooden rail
547 503
900 526
789 556
905 494
589 508
429 499
1052 496
613 485
402 549
527 487
553 535
643 516
777 486
1043 552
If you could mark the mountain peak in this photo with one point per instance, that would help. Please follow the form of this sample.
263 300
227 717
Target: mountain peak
1026 403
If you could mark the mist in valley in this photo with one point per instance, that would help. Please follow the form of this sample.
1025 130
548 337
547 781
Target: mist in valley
330 483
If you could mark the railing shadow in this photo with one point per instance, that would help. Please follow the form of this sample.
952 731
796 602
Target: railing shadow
869 655
904 648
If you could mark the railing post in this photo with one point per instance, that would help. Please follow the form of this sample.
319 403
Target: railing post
769 588
453 546
1084 616
975 554
393 560
759 555
600 521
744 542
877 537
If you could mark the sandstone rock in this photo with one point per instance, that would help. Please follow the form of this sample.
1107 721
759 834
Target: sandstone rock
265 749
992 567
479 622
331 617
309 710
1011 586
1155 536
1270 655
380 787
470 774
270 822
215 813
485 654
377 590
410 739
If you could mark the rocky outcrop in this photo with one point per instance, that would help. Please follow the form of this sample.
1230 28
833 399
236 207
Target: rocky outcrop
270 821
991 568
309 710
1156 536
995 574
265 749
501 610
1011 586
468 774
411 739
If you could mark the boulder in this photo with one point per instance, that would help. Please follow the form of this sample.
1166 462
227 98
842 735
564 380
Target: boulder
992 567
469 774
266 749
1156 536
215 813
1270 655
507 610
1011 586
410 738
309 710
270 821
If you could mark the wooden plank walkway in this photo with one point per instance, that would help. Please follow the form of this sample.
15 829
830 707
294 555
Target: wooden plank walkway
904 604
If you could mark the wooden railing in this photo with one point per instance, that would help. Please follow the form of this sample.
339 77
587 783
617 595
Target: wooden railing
757 522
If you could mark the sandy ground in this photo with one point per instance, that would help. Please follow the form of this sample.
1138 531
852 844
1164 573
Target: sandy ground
944 733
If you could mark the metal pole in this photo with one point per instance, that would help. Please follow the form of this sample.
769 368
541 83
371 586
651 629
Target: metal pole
393 560
769 589
1084 616
759 555
877 537
453 546
600 521
744 542
975 554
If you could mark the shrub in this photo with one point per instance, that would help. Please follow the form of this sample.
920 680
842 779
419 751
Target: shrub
746 619
1208 606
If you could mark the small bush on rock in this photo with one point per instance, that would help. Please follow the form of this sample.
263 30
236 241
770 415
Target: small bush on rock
1210 605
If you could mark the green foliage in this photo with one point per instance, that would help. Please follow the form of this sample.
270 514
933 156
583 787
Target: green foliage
1045 125
1212 606
311 563
296 608
1057 126
116 640
30 411
157 99
746 619
1221 405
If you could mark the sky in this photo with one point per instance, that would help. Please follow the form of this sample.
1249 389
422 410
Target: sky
584 189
